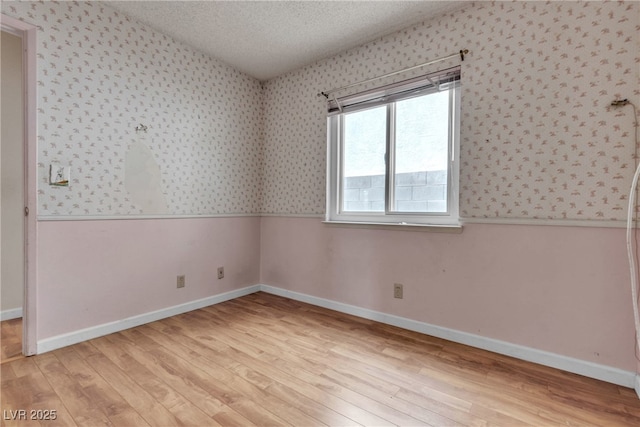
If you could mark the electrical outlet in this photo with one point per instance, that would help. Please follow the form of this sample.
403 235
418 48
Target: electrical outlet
220 272
181 281
397 290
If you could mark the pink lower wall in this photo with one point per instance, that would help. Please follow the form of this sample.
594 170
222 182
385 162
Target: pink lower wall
94 272
559 289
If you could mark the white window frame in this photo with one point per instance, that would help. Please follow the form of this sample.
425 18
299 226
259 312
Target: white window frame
334 174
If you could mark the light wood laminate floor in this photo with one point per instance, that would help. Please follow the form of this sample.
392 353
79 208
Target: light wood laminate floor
265 360
10 340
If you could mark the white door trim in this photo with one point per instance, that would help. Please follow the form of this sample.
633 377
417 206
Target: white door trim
28 34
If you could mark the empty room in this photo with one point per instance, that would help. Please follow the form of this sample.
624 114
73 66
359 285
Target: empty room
320 213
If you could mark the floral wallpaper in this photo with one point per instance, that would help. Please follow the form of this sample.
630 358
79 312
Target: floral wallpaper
100 75
539 139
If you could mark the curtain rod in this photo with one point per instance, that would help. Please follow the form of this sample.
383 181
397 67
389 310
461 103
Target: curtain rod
462 53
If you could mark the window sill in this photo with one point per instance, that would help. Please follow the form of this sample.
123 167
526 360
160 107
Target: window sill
434 228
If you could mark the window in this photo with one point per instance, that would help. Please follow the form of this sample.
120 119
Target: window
393 153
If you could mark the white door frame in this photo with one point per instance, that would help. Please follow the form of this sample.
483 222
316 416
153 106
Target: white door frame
27 33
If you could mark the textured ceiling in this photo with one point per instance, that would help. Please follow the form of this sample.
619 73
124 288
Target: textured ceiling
265 39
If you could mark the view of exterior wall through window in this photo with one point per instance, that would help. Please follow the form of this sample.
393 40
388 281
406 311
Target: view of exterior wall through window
419 156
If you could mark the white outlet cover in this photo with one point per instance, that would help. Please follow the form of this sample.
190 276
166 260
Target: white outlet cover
59 175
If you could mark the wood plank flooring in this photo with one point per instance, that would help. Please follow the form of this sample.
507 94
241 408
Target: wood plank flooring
10 340
269 361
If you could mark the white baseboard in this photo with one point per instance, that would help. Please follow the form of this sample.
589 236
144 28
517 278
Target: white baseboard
582 367
14 313
75 337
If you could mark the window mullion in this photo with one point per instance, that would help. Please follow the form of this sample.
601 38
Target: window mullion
452 119
391 159
339 153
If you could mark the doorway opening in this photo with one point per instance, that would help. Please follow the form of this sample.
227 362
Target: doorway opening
18 231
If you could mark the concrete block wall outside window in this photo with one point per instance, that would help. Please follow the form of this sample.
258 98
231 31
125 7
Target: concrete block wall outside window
415 192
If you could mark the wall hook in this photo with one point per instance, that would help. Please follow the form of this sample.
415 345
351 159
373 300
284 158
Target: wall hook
141 127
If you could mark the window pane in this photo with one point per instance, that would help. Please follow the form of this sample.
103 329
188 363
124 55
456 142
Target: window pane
421 156
363 160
